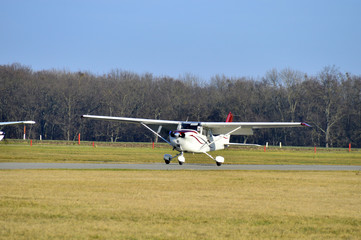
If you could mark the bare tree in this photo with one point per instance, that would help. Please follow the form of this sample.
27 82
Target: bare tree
55 100
332 100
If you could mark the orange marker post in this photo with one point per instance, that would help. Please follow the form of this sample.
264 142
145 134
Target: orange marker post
349 147
24 132
79 139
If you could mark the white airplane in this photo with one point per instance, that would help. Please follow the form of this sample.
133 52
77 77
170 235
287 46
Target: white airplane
2 134
200 137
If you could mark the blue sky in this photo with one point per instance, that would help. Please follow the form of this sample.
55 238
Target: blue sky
173 38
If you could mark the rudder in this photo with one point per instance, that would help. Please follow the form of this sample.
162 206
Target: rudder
229 117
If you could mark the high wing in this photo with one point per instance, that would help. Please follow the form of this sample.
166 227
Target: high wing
235 128
18 122
151 124
246 128
164 123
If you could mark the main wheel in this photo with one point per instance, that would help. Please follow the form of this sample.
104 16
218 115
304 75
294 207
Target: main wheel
167 158
180 163
219 160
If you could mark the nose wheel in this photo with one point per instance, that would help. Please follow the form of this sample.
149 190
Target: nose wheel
181 159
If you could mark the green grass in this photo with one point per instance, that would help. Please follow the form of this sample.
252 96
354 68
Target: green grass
101 204
118 204
61 151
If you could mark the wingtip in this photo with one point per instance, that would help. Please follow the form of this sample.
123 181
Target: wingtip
305 124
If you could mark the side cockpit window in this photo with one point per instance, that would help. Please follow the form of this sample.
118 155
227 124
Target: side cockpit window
193 126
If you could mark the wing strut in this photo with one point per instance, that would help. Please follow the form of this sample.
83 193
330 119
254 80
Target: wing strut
233 130
219 138
157 134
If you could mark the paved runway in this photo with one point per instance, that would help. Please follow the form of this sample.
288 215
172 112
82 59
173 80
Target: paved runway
175 166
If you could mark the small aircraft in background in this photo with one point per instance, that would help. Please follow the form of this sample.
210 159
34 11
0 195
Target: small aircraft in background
200 137
2 134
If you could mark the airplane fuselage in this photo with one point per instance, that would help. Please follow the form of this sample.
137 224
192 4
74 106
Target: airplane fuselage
188 140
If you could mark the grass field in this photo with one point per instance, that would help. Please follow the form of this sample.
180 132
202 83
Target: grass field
129 204
105 204
143 153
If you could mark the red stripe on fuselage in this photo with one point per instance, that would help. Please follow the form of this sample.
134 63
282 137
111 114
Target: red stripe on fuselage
185 131
196 139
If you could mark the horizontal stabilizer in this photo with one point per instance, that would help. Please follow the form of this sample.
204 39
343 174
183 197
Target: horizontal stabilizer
18 122
243 144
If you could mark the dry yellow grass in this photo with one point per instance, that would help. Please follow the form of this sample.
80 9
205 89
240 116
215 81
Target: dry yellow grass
88 204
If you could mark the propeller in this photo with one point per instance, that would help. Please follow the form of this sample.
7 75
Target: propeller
177 134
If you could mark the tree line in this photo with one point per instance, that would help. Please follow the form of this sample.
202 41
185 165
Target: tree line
329 101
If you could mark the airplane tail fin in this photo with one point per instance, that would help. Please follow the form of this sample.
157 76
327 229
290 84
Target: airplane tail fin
229 117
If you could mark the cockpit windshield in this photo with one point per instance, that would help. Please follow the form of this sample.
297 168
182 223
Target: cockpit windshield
191 125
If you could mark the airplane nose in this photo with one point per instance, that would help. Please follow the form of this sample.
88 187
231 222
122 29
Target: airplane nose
176 134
